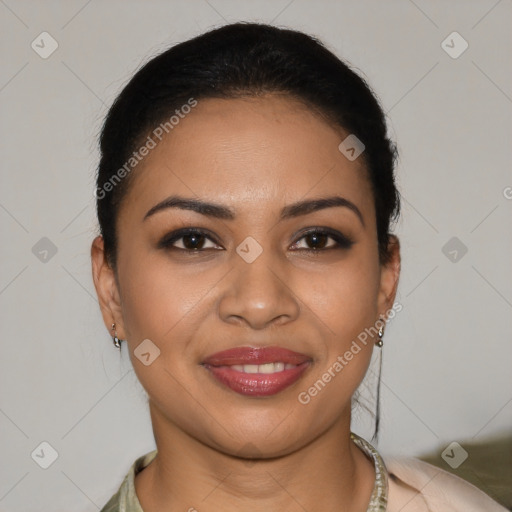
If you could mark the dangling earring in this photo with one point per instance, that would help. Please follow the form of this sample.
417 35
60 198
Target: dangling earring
115 339
379 342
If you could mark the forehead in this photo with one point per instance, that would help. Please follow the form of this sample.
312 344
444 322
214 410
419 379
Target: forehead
250 153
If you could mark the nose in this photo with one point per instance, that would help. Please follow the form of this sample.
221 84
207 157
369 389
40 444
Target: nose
259 294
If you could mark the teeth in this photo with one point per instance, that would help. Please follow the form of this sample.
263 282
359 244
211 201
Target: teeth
270 368
250 368
262 368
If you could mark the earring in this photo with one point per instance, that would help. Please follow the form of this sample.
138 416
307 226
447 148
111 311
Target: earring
379 343
115 339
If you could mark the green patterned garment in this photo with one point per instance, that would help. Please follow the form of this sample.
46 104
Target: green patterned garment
125 499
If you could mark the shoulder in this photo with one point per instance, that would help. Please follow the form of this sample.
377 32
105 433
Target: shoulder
125 499
417 486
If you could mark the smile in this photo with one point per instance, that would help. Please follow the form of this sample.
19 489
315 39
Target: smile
257 371
262 368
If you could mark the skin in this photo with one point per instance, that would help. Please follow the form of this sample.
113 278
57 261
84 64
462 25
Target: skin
218 450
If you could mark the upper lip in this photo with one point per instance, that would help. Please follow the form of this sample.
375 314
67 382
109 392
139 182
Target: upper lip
255 355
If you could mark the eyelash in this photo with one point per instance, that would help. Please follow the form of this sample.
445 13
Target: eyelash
342 241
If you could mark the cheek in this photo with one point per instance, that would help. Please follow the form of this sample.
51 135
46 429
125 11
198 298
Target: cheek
158 305
166 302
345 302
345 298
154 297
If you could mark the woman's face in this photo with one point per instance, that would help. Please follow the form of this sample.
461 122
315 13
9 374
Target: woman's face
255 278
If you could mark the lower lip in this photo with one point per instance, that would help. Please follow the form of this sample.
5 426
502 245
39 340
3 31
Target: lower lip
257 384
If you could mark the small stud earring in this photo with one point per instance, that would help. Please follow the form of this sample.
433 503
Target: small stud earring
115 339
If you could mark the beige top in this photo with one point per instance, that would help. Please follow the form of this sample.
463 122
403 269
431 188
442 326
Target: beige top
401 485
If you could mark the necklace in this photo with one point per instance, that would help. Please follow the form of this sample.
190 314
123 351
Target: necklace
379 497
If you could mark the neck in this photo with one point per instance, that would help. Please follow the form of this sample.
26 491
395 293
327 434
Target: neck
330 473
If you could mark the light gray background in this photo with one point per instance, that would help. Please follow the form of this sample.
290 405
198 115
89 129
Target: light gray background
447 355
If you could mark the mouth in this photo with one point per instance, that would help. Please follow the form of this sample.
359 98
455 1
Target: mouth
254 371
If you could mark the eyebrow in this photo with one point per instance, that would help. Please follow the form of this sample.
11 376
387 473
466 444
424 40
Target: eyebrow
223 212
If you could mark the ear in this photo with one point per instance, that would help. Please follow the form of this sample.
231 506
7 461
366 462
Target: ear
390 273
106 288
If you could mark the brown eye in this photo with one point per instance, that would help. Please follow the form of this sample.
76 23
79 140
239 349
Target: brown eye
191 240
317 240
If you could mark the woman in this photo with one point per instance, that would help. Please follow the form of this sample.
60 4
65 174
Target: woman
245 194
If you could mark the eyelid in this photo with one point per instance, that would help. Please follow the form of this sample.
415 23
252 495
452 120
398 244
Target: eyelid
173 236
341 240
